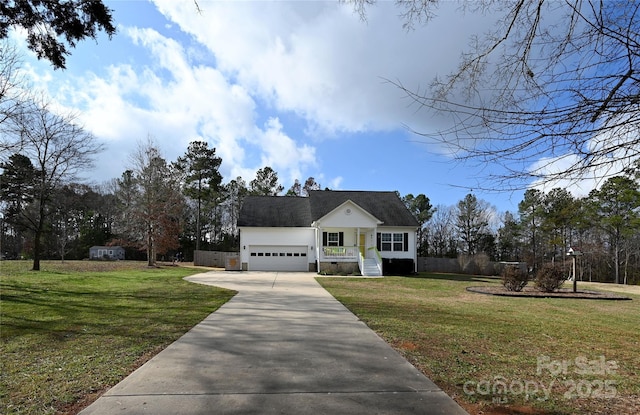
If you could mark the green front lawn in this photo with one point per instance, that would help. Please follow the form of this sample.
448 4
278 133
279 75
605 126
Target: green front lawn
471 345
76 328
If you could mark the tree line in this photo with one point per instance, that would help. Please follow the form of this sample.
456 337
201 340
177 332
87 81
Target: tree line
157 208
604 227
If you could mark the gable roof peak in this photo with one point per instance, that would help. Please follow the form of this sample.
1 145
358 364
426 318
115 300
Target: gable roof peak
289 211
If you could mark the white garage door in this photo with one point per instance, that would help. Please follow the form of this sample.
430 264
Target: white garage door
278 258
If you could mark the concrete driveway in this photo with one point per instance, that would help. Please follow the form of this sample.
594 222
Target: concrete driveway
282 345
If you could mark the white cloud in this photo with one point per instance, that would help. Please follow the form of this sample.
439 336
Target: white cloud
577 185
177 102
253 78
335 184
283 154
610 153
319 60
582 181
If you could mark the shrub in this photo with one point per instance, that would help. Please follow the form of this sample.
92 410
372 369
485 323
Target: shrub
514 278
550 277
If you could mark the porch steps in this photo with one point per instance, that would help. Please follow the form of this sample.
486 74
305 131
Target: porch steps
370 268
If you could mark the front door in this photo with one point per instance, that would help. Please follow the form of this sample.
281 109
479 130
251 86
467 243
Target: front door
361 244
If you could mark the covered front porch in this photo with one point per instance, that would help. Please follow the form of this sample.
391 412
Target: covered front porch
348 250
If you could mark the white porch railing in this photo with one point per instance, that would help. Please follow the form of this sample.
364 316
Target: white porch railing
340 252
369 265
378 258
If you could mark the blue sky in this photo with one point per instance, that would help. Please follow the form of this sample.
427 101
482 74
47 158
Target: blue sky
298 86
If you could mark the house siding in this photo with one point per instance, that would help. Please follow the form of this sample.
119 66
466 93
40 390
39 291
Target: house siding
348 215
409 236
254 236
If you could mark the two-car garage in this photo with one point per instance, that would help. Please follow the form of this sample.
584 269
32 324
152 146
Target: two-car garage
278 258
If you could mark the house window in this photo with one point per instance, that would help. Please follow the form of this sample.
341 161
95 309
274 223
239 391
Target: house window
333 239
398 239
393 241
386 241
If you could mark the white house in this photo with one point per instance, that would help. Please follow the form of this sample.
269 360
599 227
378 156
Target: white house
372 233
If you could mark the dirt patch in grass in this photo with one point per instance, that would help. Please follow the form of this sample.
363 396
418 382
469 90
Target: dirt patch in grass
561 293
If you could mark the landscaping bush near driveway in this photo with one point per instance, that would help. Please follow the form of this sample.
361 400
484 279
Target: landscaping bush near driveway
506 355
550 277
514 278
76 328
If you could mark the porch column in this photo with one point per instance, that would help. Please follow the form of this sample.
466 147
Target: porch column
318 247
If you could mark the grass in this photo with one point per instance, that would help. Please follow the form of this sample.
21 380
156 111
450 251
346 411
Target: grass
472 344
72 330
76 328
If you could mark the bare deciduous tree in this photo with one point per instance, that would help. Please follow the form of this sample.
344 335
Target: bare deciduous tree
441 232
234 193
151 202
59 148
554 81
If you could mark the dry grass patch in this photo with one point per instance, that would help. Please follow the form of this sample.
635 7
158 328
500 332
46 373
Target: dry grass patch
625 289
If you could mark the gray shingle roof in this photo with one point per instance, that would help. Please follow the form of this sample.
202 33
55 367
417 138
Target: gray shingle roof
385 206
287 211
275 211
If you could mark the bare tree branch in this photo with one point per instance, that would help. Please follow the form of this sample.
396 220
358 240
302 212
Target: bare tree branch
58 147
553 93
14 95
